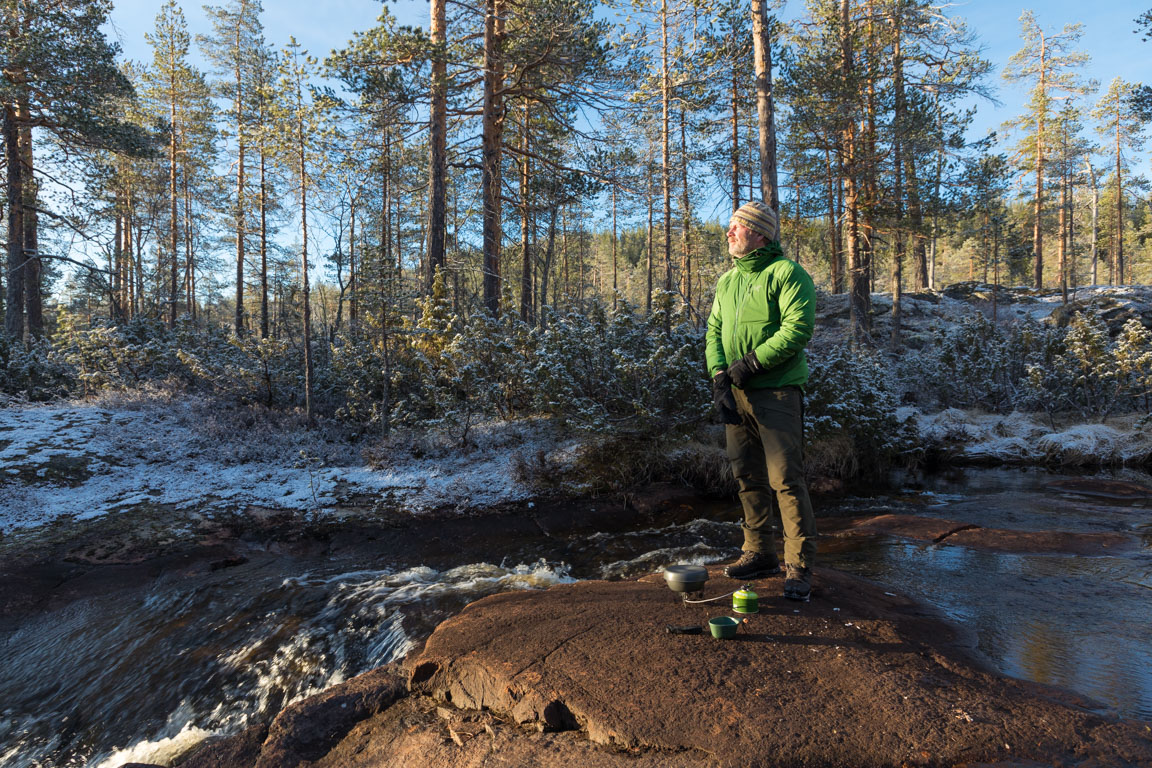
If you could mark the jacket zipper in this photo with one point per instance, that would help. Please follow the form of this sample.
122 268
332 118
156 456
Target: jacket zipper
740 308
744 300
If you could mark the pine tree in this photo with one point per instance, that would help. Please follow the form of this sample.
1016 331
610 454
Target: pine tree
235 47
298 113
59 75
1121 124
179 96
437 141
1048 61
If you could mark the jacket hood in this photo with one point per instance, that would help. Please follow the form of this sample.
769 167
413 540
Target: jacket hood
759 258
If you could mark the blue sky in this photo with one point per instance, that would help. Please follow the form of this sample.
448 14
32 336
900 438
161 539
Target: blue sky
321 25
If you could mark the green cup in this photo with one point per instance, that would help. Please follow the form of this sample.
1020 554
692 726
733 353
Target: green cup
723 627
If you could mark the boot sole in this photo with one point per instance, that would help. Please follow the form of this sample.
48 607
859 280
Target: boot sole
798 597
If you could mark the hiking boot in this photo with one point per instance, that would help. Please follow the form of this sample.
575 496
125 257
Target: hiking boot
798 583
752 565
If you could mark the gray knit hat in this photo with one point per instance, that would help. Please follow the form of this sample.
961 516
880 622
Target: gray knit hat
759 218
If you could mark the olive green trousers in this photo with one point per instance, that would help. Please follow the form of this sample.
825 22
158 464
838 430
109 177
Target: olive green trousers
767 455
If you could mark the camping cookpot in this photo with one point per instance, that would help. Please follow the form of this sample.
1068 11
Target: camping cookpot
686 578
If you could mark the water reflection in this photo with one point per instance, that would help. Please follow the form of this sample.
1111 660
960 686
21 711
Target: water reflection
1073 621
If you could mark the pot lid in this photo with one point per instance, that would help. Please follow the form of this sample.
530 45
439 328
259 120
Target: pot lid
686 573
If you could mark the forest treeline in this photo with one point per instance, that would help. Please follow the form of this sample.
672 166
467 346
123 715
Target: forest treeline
536 158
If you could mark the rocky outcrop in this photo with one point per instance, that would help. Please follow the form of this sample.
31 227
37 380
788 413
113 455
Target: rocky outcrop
586 674
940 531
306 731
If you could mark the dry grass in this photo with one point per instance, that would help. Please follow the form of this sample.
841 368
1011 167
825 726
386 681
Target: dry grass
620 463
835 457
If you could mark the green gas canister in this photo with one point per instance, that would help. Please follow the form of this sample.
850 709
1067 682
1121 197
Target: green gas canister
745 601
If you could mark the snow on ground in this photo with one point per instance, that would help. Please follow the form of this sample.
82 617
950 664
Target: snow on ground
83 460
1019 438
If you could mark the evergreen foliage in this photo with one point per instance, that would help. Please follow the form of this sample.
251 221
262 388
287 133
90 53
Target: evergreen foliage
33 371
1081 371
1089 373
851 413
409 182
976 363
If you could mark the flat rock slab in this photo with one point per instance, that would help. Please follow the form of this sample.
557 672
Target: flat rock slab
858 677
1120 490
994 539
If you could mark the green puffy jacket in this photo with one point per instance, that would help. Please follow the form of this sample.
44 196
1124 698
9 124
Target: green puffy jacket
765 303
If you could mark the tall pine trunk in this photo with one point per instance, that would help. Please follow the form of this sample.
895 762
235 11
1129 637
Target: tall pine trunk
302 170
525 222
1119 212
1063 251
438 137
834 272
665 168
858 277
116 294
263 245
353 271
735 137
898 177
546 270
173 233
765 117
241 213
1095 220
491 140
34 313
916 219
14 297
189 258
686 262
1038 208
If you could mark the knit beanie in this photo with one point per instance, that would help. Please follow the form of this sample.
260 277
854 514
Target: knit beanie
757 217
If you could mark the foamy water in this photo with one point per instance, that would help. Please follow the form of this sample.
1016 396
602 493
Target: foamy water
233 664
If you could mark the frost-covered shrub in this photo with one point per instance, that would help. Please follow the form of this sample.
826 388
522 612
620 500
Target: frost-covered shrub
1079 370
1091 374
851 413
485 370
359 374
34 371
975 363
246 370
619 370
1133 354
120 357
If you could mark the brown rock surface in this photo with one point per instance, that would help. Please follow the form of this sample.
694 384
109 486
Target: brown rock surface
307 730
996 539
584 675
1121 490
873 683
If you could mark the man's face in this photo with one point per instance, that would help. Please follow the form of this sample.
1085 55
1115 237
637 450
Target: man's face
742 241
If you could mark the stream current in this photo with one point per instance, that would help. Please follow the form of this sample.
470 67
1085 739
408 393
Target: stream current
143 675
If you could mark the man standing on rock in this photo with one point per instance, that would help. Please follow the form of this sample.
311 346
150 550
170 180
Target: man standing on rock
762 317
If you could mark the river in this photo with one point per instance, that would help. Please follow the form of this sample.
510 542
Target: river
142 672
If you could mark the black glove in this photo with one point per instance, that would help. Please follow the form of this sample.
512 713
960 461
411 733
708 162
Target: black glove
744 369
723 398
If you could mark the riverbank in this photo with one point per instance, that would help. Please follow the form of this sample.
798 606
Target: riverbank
180 463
